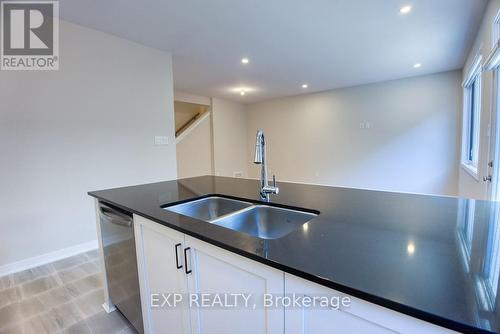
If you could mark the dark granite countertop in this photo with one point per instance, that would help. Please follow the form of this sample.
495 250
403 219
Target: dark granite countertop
433 258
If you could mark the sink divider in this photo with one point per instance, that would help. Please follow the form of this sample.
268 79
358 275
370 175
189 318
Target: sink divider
248 208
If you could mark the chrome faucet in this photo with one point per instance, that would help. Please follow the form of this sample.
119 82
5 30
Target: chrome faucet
260 159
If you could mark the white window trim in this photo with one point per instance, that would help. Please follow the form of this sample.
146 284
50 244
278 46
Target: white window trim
474 71
471 170
493 60
495 31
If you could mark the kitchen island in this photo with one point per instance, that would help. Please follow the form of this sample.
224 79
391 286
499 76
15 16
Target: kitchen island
429 258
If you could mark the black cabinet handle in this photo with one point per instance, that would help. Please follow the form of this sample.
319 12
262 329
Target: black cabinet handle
177 256
186 260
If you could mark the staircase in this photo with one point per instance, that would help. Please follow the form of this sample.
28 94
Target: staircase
187 115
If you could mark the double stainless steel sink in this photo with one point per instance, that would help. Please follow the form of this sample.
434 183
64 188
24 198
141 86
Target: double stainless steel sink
259 220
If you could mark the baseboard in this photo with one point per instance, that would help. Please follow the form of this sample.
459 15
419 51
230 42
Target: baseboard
40 260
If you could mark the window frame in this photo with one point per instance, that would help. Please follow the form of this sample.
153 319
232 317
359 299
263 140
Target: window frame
472 118
495 31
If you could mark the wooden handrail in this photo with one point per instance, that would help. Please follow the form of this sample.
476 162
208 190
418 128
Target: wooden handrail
187 124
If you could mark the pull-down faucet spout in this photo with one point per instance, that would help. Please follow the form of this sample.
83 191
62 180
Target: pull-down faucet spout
260 159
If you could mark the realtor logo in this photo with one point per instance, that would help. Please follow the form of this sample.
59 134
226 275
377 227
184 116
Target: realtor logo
29 35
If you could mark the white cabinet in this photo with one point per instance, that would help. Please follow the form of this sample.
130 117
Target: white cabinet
214 271
206 269
360 317
161 271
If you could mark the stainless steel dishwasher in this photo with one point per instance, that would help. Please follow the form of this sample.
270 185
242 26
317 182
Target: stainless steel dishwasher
117 231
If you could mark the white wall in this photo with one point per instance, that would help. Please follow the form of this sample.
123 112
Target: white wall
194 149
191 98
88 126
230 137
468 185
412 146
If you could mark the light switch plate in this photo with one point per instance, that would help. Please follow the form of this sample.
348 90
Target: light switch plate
161 140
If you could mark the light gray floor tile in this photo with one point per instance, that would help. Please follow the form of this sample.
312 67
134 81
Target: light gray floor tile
44 270
31 307
97 262
128 330
10 315
10 296
23 277
70 262
65 315
41 324
39 285
72 274
104 323
31 274
78 328
84 285
55 297
91 268
74 290
14 329
5 282
90 303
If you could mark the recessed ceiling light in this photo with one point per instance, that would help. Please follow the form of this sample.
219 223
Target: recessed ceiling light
417 65
410 249
405 9
245 60
305 85
242 90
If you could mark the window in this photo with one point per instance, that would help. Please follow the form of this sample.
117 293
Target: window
472 113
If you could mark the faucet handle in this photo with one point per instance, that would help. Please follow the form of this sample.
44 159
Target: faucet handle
276 189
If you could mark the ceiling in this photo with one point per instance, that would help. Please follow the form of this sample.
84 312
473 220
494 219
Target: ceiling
325 43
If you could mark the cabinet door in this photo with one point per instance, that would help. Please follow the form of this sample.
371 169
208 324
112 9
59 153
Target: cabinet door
159 254
361 317
216 271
